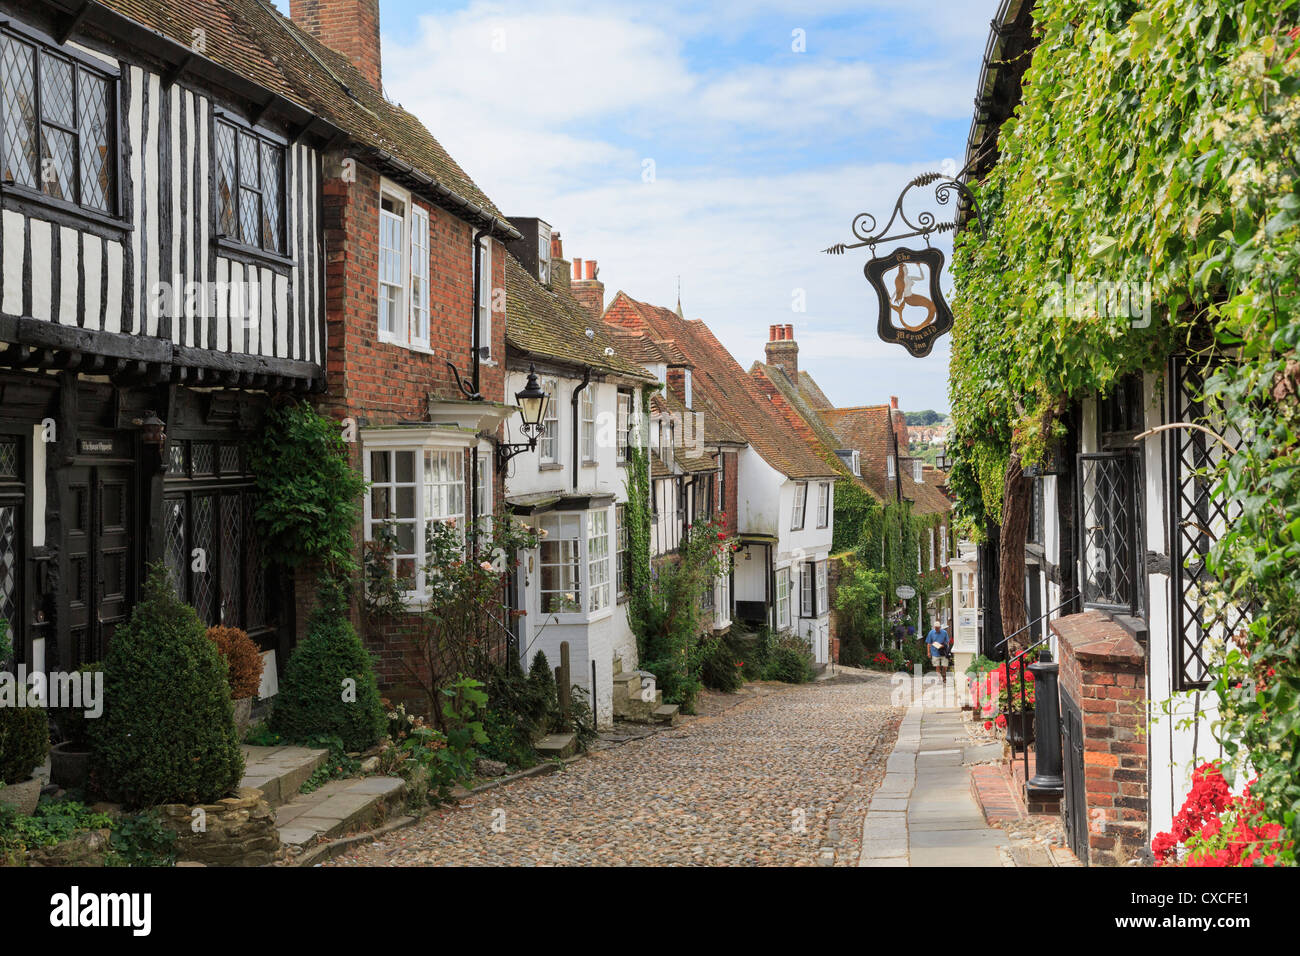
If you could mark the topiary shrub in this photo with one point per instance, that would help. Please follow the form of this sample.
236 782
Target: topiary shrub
329 685
167 734
24 742
243 660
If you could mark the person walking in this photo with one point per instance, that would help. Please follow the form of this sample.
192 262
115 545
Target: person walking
938 643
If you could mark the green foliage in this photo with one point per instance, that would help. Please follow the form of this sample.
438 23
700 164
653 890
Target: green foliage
309 496
719 667
858 600
140 839
6 642
927 417
329 686
71 721
981 665
1156 143
789 661
261 735
24 742
337 764
668 619
432 762
167 734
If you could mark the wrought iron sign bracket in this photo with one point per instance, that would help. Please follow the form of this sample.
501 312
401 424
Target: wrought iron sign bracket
911 308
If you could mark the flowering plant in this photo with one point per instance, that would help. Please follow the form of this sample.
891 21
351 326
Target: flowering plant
1215 828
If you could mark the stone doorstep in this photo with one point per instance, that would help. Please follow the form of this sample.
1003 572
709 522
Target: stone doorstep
279 772
339 807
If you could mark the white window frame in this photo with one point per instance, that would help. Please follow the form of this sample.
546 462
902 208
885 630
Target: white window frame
857 464
423 443
932 548
782 599
623 422
419 286
823 592
889 466
807 592
485 300
587 424
400 254
943 545
550 427
553 523
599 587
798 512
824 505
722 604
622 554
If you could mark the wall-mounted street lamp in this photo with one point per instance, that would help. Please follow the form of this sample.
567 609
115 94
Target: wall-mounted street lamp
153 436
532 409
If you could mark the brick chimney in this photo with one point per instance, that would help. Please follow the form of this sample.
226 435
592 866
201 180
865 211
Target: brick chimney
899 420
349 26
783 351
586 288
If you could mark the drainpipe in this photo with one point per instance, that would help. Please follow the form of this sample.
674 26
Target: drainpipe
477 261
586 380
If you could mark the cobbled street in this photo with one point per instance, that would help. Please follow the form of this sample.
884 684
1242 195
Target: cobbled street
782 778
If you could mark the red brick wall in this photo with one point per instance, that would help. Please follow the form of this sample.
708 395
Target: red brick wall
1102 669
349 26
379 383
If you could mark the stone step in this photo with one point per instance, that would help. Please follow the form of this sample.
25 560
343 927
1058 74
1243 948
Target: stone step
559 746
279 772
338 808
666 714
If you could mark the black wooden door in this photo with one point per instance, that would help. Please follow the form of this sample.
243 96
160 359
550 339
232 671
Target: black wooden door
97 522
1076 802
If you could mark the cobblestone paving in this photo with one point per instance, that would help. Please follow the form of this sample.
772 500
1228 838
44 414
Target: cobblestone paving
780 779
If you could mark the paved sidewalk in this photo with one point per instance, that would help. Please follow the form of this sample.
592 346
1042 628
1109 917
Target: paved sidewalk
924 813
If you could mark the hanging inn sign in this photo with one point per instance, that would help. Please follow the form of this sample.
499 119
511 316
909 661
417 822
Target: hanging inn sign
911 310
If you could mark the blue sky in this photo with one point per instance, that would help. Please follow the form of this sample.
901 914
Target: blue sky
761 155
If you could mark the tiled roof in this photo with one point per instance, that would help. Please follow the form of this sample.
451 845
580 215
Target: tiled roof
812 393
805 420
927 497
253 39
550 323
693 464
866 429
723 385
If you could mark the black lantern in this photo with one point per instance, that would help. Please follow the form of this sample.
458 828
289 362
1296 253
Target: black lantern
151 429
532 409
532 405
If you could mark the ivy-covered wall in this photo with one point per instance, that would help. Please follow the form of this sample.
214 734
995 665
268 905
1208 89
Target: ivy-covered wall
1155 149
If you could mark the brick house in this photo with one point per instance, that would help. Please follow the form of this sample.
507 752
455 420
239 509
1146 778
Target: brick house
415 309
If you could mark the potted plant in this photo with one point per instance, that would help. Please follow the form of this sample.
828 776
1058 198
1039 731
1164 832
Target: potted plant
1018 686
24 742
70 758
243 670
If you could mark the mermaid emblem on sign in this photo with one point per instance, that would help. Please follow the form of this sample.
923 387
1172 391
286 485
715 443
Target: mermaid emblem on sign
906 299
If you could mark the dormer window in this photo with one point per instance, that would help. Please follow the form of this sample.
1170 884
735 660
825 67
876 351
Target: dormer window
889 466
917 471
857 465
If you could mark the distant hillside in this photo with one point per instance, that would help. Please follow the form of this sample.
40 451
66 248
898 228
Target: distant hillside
927 417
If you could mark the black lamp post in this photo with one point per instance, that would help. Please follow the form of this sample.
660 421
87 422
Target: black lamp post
1047 783
532 409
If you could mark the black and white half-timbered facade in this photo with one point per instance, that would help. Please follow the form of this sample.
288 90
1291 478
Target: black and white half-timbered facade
161 282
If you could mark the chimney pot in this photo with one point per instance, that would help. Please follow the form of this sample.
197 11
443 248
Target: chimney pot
557 247
893 401
577 269
591 268
789 333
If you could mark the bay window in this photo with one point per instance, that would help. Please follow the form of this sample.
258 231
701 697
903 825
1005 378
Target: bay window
597 560
559 562
413 486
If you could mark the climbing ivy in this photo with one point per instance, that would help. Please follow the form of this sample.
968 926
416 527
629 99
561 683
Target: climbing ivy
1155 146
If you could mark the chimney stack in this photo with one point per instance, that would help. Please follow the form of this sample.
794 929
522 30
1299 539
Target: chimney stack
587 289
350 27
783 351
557 247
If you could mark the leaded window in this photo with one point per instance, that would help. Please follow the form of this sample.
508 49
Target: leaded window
212 549
250 187
59 124
11 538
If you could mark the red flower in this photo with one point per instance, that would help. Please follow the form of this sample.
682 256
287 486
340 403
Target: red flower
1002 720
988 725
